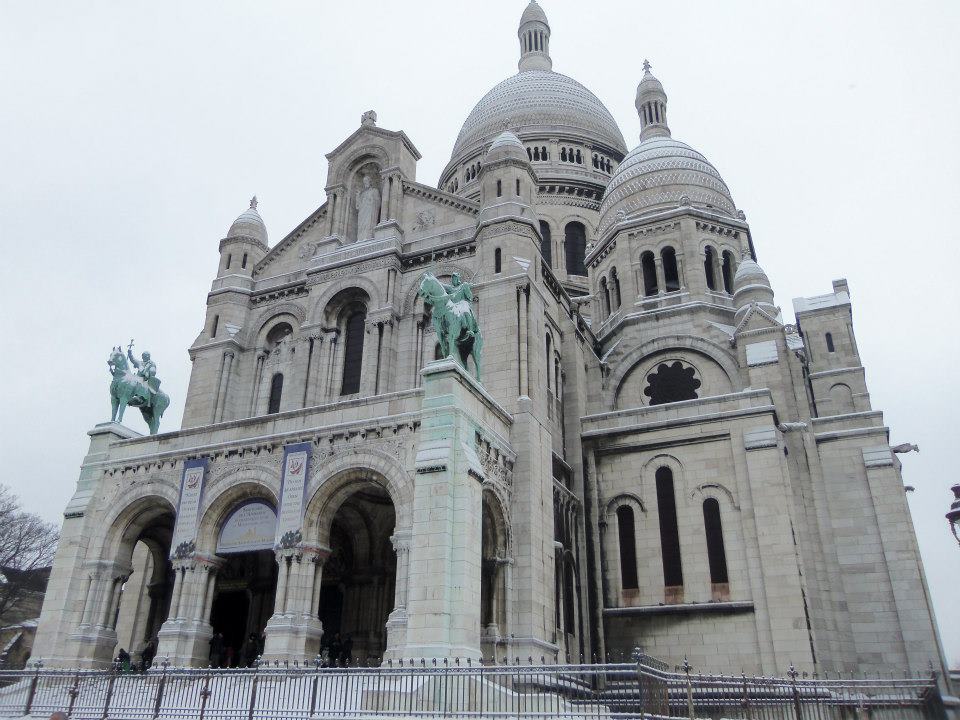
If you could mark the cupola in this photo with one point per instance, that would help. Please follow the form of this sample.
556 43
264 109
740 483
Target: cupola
245 244
651 106
534 34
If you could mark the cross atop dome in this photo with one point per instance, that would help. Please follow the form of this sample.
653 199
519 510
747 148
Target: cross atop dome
646 66
253 202
534 34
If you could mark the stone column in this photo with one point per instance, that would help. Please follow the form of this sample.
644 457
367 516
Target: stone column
185 636
294 630
523 294
257 379
94 640
661 278
384 198
224 386
371 358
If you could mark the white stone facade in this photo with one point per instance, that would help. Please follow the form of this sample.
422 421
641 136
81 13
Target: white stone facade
653 459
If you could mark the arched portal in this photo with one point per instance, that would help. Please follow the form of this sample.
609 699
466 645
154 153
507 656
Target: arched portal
493 582
246 584
359 576
145 595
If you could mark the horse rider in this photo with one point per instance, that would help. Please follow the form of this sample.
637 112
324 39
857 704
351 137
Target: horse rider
457 290
146 370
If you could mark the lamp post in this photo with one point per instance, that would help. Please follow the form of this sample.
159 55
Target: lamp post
953 516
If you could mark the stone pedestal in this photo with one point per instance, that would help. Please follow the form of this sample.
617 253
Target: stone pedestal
442 611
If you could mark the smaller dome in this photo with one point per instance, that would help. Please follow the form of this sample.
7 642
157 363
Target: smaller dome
249 224
749 273
648 83
533 13
506 138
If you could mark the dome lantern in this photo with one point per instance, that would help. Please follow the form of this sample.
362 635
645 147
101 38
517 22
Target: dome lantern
651 106
534 34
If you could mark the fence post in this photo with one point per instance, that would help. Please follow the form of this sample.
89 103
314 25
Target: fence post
33 687
160 687
73 693
204 695
687 667
112 678
253 691
797 709
746 698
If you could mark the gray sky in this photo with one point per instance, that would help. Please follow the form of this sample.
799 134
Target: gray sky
133 133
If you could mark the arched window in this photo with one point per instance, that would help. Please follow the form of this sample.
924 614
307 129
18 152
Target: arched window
716 555
830 347
243 263
669 530
518 187
276 390
546 247
728 271
575 245
596 161
604 298
499 188
497 255
671 275
628 548
608 165
549 385
579 158
563 157
615 299
529 154
708 263
278 333
841 397
543 153
229 259
536 153
353 353
216 324
649 267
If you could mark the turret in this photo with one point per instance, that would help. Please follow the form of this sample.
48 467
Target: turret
245 244
751 286
652 106
508 184
534 34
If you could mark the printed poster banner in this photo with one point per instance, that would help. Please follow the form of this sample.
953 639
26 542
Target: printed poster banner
188 508
293 494
250 527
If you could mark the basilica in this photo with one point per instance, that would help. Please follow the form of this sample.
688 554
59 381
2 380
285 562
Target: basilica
644 454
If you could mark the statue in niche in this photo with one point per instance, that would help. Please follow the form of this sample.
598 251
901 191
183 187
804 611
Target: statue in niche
368 207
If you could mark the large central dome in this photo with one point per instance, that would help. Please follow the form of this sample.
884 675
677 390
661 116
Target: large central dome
569 135
539 100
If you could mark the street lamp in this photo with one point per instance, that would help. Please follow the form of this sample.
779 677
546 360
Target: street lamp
953 517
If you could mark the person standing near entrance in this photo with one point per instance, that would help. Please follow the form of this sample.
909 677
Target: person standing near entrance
216 649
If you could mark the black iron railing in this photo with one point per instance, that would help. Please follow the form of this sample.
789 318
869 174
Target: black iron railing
452 689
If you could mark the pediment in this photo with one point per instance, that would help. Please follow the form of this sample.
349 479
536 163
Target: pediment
755 320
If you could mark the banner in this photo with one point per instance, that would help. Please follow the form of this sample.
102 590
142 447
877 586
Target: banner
184 541
293 494
249 527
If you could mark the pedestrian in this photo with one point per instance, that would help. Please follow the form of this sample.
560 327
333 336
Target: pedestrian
346 653
216 649
336 649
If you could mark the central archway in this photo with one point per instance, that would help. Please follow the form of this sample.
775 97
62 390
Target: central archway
357 593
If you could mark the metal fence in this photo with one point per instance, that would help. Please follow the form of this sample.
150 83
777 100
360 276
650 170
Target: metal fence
432 688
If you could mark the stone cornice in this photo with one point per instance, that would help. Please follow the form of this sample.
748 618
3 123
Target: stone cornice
440 196
296 233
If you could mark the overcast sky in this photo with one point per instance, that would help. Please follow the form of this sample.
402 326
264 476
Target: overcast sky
133 133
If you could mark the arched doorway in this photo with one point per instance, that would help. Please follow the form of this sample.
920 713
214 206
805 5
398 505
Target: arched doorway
357 592
144 597
245 586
